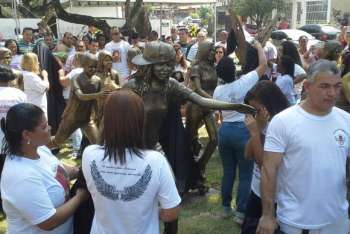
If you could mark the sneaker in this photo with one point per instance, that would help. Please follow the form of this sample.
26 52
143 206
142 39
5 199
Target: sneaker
238 218
227 212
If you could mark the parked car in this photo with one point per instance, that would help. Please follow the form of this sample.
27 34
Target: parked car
321 32
292 34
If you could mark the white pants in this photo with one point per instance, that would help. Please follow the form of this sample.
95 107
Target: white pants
340 227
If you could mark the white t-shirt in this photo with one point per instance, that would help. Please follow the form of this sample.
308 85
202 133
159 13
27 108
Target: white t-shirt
298 71
31 190
255 185
68 67
286 84
126 197
9 97
311 181
270 51
122 66
71 75
235 92
16 62
35 88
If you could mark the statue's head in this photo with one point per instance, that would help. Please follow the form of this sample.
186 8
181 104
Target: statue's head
89 64
105 61
5 56
206 52
332 50
160 57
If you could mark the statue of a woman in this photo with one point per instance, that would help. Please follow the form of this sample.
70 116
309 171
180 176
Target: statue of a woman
203 81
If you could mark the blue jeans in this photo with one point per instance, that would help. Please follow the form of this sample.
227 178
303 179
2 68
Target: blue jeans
233 137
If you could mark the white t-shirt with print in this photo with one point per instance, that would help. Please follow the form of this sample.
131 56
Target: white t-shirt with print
9 97
311 180
31 190
35 88
235 92
286 84
122 66
126 197
71 75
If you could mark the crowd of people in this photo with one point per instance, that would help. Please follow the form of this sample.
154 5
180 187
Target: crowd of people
283 128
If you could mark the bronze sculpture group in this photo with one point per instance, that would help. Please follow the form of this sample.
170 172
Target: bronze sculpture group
160 94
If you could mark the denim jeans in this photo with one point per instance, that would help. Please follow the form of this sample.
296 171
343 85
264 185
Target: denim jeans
233 137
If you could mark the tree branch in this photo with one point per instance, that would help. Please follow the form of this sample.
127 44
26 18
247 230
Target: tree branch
81 19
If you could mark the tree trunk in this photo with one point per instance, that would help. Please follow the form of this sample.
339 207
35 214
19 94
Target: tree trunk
136 18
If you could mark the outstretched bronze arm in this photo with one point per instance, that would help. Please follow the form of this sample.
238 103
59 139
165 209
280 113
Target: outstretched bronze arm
220 105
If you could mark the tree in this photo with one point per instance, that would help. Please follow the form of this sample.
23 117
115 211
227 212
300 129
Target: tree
206 14
136 16
259 11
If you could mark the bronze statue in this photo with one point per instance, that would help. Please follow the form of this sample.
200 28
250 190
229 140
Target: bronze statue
159 91
82 104
109 82
203 81
5 59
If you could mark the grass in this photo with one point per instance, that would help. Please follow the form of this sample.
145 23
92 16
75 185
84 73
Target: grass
199 215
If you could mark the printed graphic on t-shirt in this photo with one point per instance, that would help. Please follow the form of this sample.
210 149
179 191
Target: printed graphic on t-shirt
340 137
117 56
63 178
129 193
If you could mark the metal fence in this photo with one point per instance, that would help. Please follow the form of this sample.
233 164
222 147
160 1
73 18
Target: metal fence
316 12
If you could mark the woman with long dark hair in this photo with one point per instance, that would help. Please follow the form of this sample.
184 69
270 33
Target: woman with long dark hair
220 52
268 100
181 66
126 181
289 49
34 184
285 80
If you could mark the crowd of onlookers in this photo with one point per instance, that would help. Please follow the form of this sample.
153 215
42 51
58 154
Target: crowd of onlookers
290 155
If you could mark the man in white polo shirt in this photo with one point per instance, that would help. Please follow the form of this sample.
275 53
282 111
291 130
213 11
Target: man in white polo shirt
304 164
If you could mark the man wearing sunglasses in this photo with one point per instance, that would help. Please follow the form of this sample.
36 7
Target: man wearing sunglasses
117 44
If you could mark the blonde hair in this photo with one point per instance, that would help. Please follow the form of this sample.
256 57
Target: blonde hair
30 63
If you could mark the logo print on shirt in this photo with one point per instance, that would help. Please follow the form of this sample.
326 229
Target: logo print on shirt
129 193
340 137
63 178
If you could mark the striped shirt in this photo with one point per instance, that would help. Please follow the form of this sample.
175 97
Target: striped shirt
25 47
